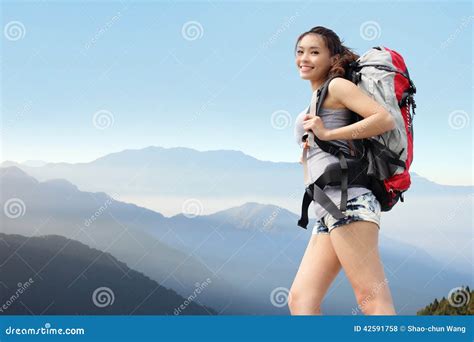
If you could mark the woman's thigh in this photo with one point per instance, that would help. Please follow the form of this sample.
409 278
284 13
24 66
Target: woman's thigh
318 268
356 246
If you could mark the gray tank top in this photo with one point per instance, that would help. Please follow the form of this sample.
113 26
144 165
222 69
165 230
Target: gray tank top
319 159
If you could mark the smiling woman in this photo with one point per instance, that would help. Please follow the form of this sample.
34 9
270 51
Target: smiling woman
318 57
322 60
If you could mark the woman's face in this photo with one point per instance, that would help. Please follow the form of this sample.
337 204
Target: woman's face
313 58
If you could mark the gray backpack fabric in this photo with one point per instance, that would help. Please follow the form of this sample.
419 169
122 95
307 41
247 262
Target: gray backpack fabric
380 163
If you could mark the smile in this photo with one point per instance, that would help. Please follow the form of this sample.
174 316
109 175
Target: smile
306 68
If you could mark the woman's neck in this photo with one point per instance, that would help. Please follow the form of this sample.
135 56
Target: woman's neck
316 84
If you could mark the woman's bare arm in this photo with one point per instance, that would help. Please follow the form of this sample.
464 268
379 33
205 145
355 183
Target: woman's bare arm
377 119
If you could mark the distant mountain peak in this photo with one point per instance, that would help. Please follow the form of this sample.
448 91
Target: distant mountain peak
8 163
14 172
253 215
175 157
18 175
250 215
60 183
256 206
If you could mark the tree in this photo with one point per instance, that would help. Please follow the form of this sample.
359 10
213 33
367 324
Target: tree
444 307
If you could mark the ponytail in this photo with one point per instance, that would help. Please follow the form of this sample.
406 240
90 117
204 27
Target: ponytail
345 58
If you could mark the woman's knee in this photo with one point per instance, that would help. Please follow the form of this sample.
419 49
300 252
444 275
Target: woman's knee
372 298
304 300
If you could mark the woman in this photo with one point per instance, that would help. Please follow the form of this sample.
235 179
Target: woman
352 242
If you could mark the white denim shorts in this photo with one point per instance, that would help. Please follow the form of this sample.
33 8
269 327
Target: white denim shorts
365 207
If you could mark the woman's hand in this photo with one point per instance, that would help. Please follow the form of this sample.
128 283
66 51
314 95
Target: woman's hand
315 124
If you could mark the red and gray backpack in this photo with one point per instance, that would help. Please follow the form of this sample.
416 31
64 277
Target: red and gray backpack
380 163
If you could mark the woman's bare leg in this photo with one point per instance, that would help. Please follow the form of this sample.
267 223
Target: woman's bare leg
317 270
356 245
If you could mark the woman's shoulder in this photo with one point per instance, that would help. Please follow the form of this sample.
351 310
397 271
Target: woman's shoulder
338 83
337 88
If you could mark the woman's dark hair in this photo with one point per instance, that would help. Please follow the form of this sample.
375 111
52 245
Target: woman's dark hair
335 46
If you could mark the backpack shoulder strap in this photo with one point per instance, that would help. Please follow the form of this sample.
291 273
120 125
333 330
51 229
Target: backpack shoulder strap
322 93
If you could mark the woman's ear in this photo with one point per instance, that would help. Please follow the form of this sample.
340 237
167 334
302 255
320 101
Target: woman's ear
334 59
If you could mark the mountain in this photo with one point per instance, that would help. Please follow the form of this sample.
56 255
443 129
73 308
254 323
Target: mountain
262 247
8 163
34 163
253 216
57 207
169 172
53 275
247 251
423 186
162 179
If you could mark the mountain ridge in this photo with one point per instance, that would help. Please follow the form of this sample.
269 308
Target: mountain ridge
152 151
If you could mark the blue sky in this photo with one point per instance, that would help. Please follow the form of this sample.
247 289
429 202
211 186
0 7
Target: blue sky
209 75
